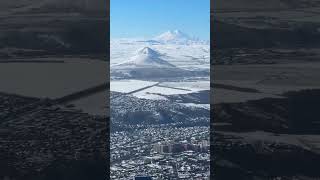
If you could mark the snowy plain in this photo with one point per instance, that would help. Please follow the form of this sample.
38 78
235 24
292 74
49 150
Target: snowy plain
194 56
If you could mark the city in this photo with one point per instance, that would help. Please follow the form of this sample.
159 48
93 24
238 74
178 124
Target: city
163 152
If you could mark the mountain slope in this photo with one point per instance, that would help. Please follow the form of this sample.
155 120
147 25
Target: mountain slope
145 58
146 64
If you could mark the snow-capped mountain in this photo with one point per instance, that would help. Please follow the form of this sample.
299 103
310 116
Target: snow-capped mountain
177 37
147 63
145 58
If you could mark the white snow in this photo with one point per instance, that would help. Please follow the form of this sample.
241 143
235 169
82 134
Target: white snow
159 92
162 91
204 106
145 57
146 95
190 57
178 37
190 85
126 86
143 53
173 36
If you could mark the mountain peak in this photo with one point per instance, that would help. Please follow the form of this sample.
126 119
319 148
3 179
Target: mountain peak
147 58
175 35
177 31
148 51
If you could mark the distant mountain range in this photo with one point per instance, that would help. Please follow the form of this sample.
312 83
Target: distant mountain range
178 37
172 37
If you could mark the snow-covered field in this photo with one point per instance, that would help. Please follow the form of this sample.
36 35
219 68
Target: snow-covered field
126 86
157 90
190 85
172 88
190 57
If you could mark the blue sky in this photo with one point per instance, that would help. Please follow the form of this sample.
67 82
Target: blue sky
147 18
